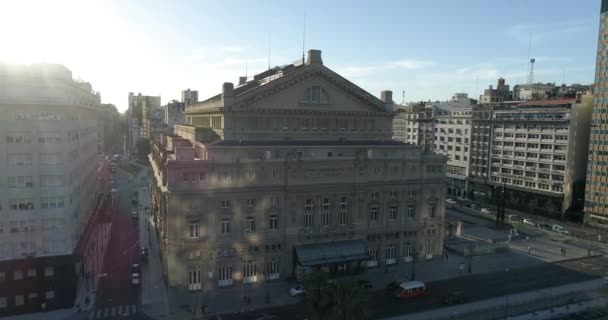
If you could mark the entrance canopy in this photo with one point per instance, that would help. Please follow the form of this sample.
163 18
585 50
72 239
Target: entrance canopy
331 252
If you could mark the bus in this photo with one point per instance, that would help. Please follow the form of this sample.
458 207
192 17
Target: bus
411 289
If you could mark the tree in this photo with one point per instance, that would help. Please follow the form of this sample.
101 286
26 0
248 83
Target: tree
143 148
344 300
350 302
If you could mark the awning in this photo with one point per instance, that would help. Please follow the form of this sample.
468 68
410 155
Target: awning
331 252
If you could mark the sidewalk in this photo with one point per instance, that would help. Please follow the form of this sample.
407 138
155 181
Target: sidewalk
471 309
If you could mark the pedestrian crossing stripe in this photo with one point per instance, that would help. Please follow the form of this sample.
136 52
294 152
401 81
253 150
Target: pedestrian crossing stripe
113 311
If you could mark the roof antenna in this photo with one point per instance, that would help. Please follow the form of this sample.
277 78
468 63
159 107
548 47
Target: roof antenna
304 38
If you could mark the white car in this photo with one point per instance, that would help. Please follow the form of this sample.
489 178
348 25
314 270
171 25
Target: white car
296 291
135 279
450 201
559 229
486 210
530 222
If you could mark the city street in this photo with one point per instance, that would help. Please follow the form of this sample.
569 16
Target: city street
117 297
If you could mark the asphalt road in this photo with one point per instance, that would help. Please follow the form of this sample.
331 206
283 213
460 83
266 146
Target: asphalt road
474 287
115 288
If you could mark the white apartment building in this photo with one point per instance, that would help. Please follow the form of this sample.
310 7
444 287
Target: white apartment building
143 113
48 186
414 124
533 153
452 138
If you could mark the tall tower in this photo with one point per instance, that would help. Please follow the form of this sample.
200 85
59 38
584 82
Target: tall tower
531 73
596 189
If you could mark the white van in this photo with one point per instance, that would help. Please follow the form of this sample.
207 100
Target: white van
559 229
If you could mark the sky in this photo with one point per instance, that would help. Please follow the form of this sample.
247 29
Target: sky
421 50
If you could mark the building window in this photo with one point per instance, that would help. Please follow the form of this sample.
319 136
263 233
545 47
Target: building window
390 254
307 219
226 175
250 224
395 194
250 271
272 269
194 230
374 195
325 218
225 204
225 276
17 275
3 302
275 174
31 273
432 211
392 213
250 202
194 278
411 212
412 192
19 300
274 222
202 176
274 200
2 274
373 214
342 217
225 226
251 175
395 169
49 294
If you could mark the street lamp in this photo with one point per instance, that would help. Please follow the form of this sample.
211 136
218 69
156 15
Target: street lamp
470 256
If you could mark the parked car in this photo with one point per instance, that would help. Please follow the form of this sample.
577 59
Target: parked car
135 279
451 201
486 210
559 229
364 284
530 222
392 286
515 218
296 291
545 226
456 297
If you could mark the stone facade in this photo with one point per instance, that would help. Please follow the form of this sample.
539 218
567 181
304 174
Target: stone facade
295 157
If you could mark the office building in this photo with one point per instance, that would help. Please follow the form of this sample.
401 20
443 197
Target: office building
534 91
414 124
141 108
290 172
596 195
189 96
174 114
51 190
501 93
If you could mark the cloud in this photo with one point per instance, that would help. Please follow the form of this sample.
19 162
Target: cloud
412 64
524 33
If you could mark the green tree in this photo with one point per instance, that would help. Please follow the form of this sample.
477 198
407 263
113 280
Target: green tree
344 300
350 302
143 148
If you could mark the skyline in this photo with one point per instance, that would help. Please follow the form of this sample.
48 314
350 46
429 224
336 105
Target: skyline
163 48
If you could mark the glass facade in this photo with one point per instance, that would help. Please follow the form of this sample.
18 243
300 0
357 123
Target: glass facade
596 195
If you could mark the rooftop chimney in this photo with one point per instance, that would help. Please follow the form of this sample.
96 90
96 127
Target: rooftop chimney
314 57
227 93
242 80
387 97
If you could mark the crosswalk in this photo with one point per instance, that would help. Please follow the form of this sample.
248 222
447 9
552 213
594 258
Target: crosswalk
110 312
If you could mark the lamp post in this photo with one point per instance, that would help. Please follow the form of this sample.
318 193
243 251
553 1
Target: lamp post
470 257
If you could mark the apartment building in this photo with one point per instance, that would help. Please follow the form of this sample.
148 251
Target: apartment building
414 124
50 187
141 109
174 114
452 138
189 97
596 195
533 153
289 172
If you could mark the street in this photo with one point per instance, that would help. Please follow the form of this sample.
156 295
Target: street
116 296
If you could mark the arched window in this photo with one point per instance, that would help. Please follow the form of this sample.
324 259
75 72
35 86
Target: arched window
315 94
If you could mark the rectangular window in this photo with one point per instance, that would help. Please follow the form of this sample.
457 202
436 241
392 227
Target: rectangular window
225 204
274 222
250 271
226 175
411 212
342 217
250 202
395 194
49 271
202 176
432 211
250 224
17 275
325 218
274 200
31 273
392 213
49 294
374 195
194 278
275 174
373 214
225 226
308 219
19 300
194 230
225 276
